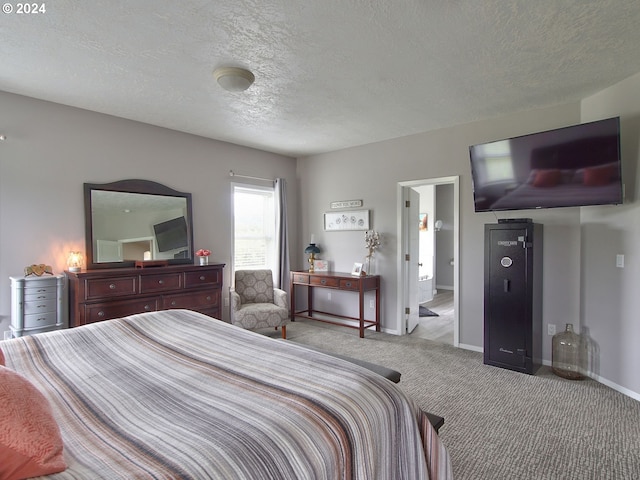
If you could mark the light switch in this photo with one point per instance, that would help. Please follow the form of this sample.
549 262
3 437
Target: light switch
620 260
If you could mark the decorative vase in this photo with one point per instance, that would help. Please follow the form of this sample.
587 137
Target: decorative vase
204 260
369 264
567 355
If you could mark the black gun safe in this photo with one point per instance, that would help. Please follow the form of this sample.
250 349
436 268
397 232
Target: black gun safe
513 295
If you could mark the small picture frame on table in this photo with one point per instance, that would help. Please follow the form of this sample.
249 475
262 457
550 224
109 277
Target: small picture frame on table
357 269
321 265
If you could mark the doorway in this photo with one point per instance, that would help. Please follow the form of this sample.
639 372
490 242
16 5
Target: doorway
422 227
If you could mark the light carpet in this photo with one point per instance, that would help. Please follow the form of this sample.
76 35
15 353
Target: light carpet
501 424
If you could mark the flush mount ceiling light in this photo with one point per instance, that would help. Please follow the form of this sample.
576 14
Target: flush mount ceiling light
233 79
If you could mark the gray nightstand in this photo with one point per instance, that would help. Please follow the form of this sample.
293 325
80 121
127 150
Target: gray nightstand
38 304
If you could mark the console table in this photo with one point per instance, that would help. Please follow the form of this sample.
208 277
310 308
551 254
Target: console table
336 281
97 295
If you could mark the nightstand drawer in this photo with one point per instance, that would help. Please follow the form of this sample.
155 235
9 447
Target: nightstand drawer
39 294
105 311
325 281
110 287
205 299
160 283
38 320
40 306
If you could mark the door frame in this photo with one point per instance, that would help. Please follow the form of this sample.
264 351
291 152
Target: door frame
402 267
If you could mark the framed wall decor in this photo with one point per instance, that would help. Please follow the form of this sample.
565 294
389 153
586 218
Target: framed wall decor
357 269
347 220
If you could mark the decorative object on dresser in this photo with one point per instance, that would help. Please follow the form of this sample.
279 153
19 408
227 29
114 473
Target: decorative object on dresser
336 281
371 242
75 260
38 304
102 294
38 270
203 256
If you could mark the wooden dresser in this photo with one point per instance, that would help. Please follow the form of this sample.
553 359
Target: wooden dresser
96 295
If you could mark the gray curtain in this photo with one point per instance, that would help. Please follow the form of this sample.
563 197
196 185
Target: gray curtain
281 275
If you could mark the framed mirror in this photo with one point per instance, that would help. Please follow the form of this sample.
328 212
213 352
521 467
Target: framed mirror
132 220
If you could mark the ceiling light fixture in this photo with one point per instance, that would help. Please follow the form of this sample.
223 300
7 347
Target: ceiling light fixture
233 79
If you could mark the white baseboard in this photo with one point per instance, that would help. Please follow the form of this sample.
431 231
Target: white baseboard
444 287
471 347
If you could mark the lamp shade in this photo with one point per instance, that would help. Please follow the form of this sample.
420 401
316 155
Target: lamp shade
312 248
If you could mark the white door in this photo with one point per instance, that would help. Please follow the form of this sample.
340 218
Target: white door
411 220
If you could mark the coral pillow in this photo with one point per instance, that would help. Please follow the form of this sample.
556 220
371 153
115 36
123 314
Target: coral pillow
601 175
547 178
30 441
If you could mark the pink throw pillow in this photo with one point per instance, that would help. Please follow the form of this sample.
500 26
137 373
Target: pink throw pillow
547 178
2 362
30 441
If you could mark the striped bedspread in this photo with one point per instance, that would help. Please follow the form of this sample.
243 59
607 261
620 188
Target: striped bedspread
176 394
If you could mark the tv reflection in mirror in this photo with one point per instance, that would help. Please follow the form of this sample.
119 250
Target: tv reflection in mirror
568 167
171 235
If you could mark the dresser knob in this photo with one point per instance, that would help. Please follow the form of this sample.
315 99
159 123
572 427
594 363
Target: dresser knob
147 307
160 282
323 281
208 298
202 277
101 314
348 284
112 286
173 303
41 306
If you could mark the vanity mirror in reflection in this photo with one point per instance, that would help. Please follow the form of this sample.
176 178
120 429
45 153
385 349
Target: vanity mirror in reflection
136 220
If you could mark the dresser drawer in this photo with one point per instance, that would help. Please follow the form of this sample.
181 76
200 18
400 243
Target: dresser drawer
38 320
104 311
40 306
209 278
160 283
350 284
300 278
41 293
195 300
110 287
325 281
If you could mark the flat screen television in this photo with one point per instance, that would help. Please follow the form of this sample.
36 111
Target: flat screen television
171 234
573 166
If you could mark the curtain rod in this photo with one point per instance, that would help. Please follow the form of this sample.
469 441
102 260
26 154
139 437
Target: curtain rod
233 174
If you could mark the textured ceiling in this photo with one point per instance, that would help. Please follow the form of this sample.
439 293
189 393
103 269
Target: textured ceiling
330 74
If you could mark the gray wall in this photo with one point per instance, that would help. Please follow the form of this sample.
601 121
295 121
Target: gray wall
51 150
610 296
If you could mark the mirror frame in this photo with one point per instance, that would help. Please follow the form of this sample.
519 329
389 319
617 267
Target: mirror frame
146 187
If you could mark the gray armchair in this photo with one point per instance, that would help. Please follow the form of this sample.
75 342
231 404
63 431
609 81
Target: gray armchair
255 303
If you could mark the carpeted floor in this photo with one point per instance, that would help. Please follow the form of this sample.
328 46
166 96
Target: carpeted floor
501 424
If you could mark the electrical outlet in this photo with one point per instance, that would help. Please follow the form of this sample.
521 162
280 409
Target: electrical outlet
7 334
551 329
329 295
371 304
226 301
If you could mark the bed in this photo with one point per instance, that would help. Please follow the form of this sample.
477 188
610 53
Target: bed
176 394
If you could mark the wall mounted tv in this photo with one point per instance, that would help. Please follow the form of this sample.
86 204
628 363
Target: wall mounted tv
171 234
568 167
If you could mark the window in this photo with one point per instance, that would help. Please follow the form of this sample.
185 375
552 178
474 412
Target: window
498 165
254 220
